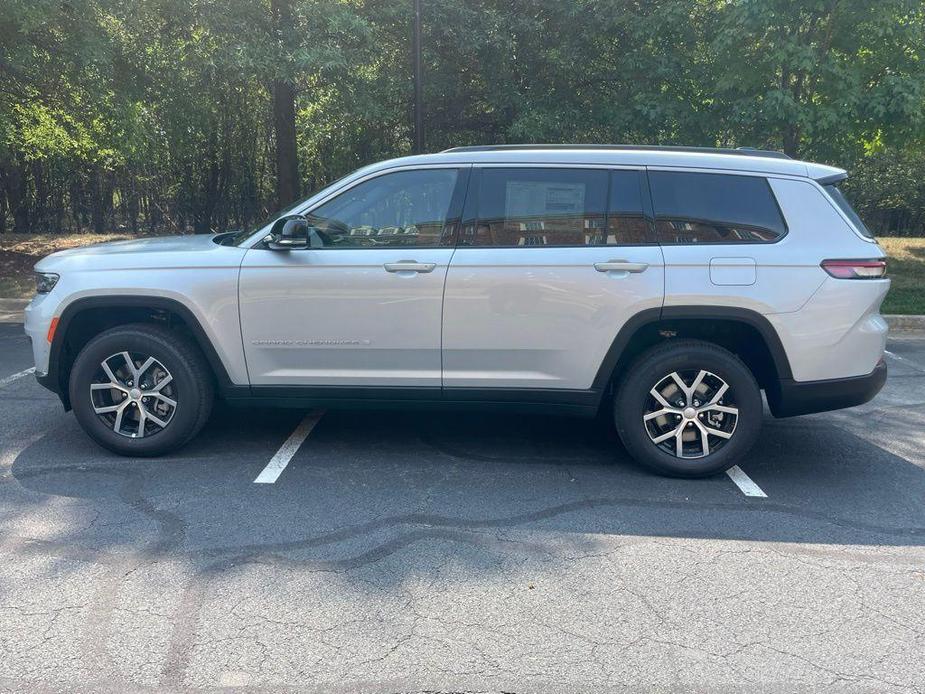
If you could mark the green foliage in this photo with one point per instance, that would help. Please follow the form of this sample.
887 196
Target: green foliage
158 112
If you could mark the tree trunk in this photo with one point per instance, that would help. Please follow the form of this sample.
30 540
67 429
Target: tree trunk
18 198
287 162
2 200
792 141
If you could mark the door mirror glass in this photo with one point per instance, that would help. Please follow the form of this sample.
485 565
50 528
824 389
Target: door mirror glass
289 233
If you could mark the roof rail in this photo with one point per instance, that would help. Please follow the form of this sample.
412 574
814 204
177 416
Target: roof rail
741 151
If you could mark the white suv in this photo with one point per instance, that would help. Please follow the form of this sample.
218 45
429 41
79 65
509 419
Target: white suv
671 285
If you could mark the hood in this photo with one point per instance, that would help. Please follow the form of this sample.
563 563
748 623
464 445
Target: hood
165 251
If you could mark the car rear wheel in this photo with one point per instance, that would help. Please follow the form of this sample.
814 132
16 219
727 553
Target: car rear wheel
141 390
688 408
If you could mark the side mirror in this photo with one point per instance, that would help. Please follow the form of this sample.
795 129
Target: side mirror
289 233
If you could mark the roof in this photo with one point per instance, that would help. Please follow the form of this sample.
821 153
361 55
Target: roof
758 161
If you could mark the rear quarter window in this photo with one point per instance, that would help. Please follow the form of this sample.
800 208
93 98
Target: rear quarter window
695 208
838 197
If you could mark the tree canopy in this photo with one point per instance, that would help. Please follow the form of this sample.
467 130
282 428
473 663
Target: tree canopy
199 115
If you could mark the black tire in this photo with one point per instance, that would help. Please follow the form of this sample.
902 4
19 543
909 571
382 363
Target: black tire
191 385
633 401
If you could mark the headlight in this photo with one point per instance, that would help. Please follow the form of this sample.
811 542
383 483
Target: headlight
45 282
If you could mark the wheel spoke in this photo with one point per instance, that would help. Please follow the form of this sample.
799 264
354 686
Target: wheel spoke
696 383
666 436
144 367
720 408
164 399
141 423
659 413
716 432
679 442
117 425
107 409
131 365
160 384
683 386
719 395
108 371
107 386
157 420
661 400
704 439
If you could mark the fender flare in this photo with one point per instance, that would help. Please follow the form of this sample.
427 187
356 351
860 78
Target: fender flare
672 313
157 303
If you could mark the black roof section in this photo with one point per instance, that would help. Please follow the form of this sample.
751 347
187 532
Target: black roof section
741 151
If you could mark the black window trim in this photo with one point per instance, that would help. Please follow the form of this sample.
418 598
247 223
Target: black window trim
471 218
453 215
719 172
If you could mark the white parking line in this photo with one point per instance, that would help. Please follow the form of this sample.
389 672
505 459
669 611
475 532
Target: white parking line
16 377
278 462
745 483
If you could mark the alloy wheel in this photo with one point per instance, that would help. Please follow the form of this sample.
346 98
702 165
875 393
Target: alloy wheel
690 414
133 394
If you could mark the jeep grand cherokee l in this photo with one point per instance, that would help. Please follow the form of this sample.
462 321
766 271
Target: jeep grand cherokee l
670 285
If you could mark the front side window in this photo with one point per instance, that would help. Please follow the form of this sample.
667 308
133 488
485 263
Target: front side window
714 208
405 209
521 207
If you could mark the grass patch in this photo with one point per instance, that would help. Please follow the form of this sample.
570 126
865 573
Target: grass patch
906 268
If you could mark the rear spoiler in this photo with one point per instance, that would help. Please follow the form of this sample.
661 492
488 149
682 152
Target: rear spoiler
831 180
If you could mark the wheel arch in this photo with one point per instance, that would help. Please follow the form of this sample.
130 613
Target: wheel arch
87 316
744 332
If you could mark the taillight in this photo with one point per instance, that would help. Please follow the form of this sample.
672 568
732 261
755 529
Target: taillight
855 269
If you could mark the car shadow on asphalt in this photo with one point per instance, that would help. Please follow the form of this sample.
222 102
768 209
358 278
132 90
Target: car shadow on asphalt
368 484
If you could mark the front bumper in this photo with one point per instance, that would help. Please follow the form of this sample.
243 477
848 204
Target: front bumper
793 398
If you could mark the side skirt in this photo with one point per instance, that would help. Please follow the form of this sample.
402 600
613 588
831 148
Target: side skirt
578 403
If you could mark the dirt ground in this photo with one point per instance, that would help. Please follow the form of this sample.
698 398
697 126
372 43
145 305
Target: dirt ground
19 252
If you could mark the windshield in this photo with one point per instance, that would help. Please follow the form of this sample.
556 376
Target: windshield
838 197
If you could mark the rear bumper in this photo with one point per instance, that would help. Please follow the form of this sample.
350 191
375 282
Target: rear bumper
805 397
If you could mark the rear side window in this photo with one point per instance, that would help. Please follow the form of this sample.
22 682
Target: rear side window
714 208
534 207
838 197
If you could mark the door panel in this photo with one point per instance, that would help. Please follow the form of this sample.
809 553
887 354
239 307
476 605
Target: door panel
339 317
540 318
562 267
363 305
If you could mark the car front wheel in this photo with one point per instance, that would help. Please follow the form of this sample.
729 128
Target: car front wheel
688 408
141 390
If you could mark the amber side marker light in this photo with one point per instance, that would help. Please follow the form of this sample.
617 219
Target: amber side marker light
51 328
855 269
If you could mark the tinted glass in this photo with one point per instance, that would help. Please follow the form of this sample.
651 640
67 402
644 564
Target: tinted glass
539 207
626 223
838 197
406 208
714 208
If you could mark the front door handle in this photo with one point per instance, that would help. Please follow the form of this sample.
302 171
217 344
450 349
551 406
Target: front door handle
409 266
620 266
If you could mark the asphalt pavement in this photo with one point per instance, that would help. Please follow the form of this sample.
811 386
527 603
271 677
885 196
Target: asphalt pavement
381 552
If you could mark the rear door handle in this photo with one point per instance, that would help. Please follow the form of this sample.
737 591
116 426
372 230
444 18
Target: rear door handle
409 266
620 266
